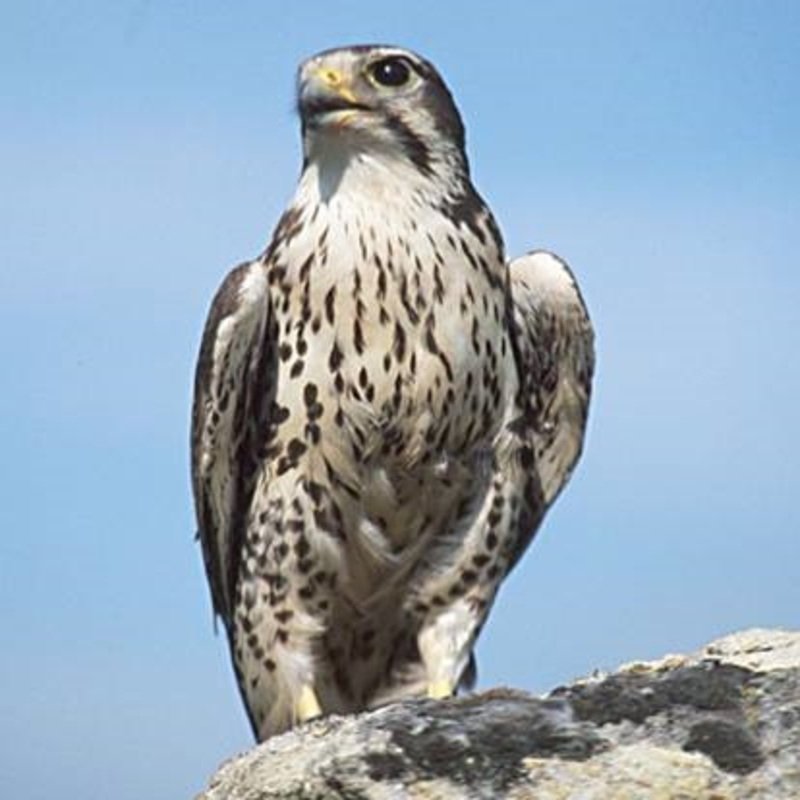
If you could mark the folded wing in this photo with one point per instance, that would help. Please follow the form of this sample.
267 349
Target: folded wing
230 420
555 362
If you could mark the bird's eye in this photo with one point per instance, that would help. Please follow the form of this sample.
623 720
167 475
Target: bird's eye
391 71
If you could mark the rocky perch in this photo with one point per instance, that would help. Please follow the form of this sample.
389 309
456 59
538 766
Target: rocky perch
722 723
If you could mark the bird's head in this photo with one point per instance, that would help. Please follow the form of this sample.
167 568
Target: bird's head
380 102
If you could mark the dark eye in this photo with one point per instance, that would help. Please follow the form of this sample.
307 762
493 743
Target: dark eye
391 71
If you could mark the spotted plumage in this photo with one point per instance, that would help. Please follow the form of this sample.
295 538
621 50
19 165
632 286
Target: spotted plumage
384 408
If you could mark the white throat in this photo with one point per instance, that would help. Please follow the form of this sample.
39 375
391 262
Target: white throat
339 166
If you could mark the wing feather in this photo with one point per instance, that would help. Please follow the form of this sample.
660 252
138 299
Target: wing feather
555 360
230 419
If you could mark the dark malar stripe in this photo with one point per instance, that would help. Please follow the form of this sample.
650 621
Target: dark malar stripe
416 150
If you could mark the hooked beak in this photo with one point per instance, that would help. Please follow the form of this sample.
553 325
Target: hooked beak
325 93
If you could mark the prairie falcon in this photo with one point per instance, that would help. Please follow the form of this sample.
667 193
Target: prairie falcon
384 408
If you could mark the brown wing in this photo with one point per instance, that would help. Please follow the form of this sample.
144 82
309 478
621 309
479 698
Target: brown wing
232 398
555 361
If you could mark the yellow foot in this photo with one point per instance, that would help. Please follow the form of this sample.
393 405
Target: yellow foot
440 689
307 705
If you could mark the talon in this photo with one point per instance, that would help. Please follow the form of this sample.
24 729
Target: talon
438 690
307 705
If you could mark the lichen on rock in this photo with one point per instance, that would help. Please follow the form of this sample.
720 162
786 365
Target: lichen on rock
722 724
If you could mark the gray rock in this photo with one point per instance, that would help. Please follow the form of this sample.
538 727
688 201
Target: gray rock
718 725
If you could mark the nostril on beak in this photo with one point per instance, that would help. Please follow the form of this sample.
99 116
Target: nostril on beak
331 77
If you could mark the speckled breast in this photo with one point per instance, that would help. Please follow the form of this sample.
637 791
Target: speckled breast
398 338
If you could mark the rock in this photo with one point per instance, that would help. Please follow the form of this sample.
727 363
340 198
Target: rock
723 724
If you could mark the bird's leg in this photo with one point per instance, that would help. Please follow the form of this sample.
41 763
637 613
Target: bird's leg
283 614
307 705
453 602
445 643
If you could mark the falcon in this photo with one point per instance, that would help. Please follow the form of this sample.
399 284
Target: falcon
384 408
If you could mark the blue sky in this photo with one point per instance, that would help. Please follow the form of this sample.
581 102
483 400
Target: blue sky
146 147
